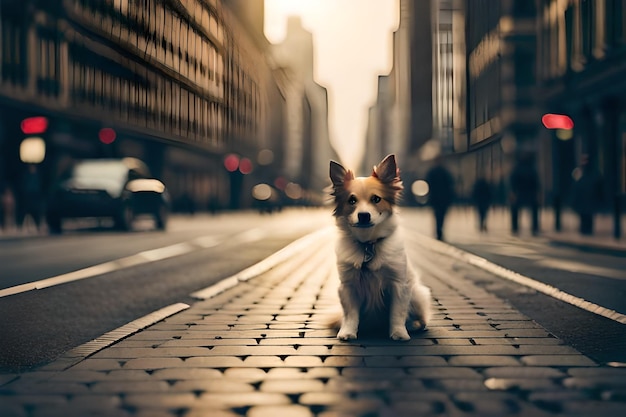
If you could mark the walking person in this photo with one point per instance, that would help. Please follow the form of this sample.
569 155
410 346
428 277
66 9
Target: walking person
588 194
524 181
7 208
30 200
441 193
482 198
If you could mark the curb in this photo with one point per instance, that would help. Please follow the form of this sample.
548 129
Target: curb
520 279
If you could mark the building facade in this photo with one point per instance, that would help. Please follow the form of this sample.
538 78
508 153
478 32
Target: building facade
563 57
380 135
582 61
182 83
306 148
401 119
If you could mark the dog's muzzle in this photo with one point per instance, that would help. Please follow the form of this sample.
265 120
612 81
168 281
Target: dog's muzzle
365 220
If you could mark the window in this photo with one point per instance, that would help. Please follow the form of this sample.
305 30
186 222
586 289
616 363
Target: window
615 14
184 110
588 27
524 8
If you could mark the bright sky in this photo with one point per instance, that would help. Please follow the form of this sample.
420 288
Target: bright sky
353 45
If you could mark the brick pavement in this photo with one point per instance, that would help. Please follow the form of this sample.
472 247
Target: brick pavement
260 348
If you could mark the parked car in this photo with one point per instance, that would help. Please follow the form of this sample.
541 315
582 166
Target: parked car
120 189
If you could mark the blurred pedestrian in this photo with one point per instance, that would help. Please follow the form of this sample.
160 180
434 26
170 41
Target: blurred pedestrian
7 207
186 204
587 194
30 197
525 184
440 194
482 197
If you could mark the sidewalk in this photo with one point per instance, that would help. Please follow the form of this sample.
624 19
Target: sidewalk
256 346
602 238
498 221
461 224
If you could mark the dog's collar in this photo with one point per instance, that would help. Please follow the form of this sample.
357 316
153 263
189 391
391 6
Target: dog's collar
369 249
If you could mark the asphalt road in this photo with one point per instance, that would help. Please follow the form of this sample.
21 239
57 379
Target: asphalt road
39 325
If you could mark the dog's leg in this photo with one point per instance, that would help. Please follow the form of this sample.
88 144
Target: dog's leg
420 312
399 310
351 308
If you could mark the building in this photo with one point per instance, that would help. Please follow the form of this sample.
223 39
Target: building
401 119
420 108
183 84
307 147
521 60
552 56
449 83
380 138
581 67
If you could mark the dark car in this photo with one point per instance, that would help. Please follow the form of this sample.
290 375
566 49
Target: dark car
120 189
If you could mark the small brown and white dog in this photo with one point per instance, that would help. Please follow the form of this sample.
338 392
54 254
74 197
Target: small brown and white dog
378 286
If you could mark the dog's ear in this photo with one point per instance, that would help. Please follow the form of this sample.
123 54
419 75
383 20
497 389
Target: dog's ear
387 170
338 190
339 175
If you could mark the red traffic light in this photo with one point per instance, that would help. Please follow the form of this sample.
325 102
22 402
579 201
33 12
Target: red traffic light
557 121
34 125
231 162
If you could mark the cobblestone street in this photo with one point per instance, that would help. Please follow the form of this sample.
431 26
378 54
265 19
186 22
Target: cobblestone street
261 348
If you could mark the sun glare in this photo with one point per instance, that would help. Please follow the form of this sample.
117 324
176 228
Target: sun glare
353 45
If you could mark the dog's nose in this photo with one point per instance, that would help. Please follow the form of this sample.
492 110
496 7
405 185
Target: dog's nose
364 217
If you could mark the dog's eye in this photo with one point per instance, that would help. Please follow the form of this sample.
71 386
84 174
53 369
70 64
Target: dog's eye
375 199
352 200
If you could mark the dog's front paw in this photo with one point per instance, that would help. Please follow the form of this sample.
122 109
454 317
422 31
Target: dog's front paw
345 334
399 334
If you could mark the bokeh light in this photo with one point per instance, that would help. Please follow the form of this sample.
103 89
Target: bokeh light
231 162
107 135
420 188
557 121
245 166
265 157
34 125
293 191
32 150
262 192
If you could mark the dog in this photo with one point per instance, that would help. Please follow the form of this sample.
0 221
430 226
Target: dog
378 285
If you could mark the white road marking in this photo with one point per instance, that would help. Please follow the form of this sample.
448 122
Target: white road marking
167 251
144 257
206 241
251 235
502 272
